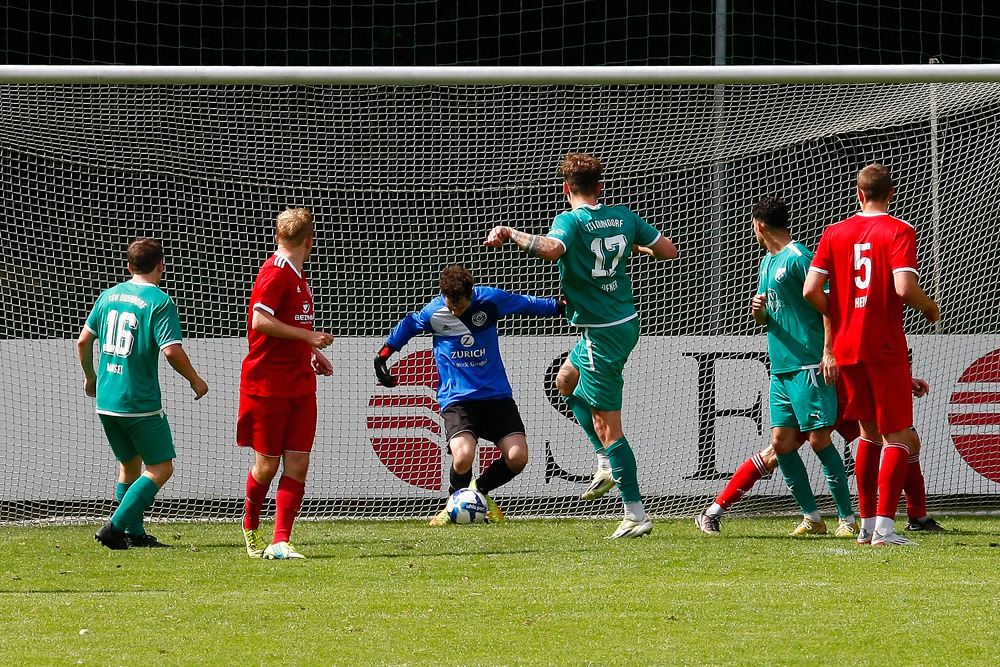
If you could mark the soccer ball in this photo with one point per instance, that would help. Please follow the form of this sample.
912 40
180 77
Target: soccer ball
467 506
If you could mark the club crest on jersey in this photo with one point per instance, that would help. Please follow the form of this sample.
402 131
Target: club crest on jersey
479 319
468 340
779 275
305 307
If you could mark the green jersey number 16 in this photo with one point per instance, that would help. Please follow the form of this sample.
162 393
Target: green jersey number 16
119 339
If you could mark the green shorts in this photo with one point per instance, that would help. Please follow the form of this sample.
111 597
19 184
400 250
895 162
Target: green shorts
802 400
146 437
600 356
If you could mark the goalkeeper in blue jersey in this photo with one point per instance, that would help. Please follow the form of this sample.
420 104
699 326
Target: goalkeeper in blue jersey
473 391
592 243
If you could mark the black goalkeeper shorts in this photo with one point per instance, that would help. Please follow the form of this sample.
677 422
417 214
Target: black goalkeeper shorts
491 420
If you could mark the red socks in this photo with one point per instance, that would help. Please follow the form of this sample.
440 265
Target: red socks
866 471
916 492
287 500
892 477
748 474
256 493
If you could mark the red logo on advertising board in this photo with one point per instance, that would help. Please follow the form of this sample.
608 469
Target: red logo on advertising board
971 407
411 406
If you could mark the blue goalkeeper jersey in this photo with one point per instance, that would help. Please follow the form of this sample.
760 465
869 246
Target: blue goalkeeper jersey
466 348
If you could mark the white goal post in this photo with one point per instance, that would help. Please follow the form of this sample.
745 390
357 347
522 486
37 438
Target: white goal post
610 75
405 169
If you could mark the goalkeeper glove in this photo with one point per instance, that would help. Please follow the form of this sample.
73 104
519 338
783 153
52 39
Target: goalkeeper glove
381 372
561 307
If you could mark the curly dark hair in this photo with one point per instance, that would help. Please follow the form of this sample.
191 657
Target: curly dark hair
772 212
456 283
583 172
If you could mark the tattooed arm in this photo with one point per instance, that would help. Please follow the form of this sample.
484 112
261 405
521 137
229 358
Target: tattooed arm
533 244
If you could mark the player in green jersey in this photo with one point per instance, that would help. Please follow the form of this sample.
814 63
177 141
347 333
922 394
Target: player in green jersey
132 322
592 243
797 344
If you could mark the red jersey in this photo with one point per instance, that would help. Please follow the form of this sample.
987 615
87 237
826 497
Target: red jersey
860 256
279 367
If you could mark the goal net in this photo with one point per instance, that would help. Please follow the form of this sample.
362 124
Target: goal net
404 180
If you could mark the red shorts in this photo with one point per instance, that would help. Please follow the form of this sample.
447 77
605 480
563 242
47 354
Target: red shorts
273 426
879 393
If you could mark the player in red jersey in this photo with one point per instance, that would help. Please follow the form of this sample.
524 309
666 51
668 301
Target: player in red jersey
277 414
870 261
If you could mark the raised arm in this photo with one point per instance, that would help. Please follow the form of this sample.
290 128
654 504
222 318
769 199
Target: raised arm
533 244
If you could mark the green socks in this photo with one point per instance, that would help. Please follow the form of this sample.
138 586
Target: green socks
120 490
134 503
623 470
584 415
797 480
836 479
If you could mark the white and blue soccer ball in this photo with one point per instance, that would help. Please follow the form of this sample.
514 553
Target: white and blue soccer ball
467 506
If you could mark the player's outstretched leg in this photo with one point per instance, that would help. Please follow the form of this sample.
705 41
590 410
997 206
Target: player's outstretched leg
749 473
710 524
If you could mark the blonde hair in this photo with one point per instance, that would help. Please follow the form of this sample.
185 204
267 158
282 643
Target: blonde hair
294 226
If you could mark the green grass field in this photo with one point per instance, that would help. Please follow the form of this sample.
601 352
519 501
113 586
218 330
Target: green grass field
539 592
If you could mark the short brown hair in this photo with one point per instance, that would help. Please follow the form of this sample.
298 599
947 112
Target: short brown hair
875 182
144 255
456 283
295 225
583 172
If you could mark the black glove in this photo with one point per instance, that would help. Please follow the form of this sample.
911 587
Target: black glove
561 307
381 372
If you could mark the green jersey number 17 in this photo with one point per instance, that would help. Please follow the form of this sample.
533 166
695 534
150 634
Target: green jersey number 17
603 248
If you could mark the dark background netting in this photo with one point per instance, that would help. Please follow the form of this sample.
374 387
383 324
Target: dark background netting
489 32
